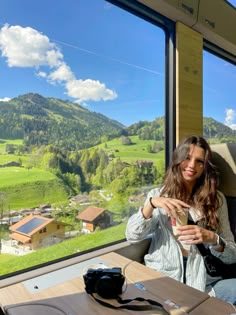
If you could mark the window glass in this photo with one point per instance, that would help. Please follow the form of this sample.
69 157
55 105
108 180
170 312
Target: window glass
219 99
232 2
82 125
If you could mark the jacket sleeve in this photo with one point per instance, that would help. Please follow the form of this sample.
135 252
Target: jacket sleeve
139 228
229 254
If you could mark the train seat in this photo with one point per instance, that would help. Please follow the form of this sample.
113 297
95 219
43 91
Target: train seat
224 157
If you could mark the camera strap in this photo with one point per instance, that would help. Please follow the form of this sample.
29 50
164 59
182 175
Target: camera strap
133 307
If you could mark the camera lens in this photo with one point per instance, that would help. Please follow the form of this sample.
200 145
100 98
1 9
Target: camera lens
106 287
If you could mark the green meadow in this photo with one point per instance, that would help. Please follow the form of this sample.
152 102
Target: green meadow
30 187
6 158
11 176
136 151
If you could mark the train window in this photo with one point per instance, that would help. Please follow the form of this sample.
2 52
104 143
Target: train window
219 99
232 2
82 125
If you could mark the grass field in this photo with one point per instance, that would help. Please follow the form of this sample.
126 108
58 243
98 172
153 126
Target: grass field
11 176
30 187
134 152
6 158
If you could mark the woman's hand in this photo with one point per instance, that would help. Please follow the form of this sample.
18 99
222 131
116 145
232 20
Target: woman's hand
172 206
194 234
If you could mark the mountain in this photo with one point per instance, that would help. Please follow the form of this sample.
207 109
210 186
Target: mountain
155 130
41 121
215 129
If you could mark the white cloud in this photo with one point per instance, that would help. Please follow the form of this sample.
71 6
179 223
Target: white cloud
54 57
5 99
41 74
89 89
26 47
230 117
62 73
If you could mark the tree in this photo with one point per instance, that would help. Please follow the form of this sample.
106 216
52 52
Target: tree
125 140
157 146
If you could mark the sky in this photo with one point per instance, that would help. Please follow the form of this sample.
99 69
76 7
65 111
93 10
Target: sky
99 56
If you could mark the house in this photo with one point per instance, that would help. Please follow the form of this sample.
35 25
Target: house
93 217
11 163
36 231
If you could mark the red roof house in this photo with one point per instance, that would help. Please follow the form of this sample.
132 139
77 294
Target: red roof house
93 217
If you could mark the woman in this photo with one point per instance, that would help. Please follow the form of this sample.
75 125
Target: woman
190 186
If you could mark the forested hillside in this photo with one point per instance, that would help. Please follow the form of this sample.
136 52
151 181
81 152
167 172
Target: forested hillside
215 129
42 121
155 130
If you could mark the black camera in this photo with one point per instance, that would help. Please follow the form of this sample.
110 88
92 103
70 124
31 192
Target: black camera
106 282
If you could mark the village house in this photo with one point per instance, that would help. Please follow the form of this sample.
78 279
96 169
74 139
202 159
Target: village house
36 231
93 217
11 164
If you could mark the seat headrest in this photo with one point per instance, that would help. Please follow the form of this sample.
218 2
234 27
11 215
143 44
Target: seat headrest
224 157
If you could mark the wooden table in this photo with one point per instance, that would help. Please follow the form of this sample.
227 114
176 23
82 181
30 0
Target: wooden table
214 306
70 298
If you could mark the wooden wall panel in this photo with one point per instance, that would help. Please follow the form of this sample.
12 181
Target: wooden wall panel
189 113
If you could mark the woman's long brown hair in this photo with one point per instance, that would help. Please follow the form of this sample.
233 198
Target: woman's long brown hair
204 195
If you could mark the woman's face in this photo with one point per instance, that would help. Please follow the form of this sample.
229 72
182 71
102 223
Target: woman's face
193 166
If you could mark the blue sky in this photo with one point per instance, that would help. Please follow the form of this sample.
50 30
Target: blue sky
99 56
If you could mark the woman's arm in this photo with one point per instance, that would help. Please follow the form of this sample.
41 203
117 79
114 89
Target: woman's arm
138 228
140 224
228 255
